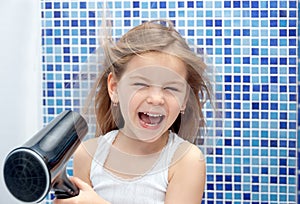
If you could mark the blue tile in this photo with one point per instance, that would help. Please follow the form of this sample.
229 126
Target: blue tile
136 4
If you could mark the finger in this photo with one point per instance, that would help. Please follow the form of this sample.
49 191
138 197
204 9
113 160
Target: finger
63 201
58 201
79 183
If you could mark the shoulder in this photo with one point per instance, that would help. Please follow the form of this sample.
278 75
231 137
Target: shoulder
87 148
187 175
194 153
187 156
83 157
186 153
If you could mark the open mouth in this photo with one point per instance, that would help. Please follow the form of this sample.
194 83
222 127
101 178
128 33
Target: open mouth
150 119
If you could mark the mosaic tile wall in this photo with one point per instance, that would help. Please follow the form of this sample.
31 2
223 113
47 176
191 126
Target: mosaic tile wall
253 45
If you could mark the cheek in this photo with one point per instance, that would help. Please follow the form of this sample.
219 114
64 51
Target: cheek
175 101
173 106
136 99
129 100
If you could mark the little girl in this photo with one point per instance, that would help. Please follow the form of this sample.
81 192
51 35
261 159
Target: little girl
148 106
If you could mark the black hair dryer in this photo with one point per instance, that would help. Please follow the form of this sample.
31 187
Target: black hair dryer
31 170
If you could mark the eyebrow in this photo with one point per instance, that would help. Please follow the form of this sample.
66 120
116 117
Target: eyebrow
148 81
175 83
139 77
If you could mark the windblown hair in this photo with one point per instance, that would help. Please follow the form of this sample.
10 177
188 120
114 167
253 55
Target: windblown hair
152 36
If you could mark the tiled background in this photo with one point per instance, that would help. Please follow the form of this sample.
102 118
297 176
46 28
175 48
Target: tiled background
253 45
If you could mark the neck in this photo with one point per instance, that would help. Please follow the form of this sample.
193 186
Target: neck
138 147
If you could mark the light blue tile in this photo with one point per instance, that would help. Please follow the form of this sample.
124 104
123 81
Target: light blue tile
227 13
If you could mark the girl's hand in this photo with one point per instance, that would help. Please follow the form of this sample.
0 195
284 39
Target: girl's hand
86 195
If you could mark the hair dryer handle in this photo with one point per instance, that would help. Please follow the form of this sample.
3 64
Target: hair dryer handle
63 187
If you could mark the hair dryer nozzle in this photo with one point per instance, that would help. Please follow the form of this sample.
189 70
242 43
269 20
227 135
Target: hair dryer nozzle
32 170
26 175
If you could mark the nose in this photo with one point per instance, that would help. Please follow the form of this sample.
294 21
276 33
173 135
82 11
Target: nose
155 96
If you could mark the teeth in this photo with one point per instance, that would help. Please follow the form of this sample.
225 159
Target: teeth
153 115
151 125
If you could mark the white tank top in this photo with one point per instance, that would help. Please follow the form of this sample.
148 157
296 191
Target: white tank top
148 188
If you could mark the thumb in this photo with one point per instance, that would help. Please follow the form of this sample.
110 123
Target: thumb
80 183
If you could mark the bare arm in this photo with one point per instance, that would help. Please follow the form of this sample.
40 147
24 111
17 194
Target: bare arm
83 159
82 164
187 178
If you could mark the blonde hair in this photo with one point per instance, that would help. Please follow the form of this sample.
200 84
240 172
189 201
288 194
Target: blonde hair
151 36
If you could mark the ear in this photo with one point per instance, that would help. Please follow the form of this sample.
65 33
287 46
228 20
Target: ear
183 106
186 98
112 85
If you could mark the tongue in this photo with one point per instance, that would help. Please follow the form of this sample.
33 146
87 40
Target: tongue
150 120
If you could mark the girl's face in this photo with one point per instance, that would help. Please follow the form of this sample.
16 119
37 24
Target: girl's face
151 94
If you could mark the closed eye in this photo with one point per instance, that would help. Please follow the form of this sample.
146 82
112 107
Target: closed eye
140 84
172 89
